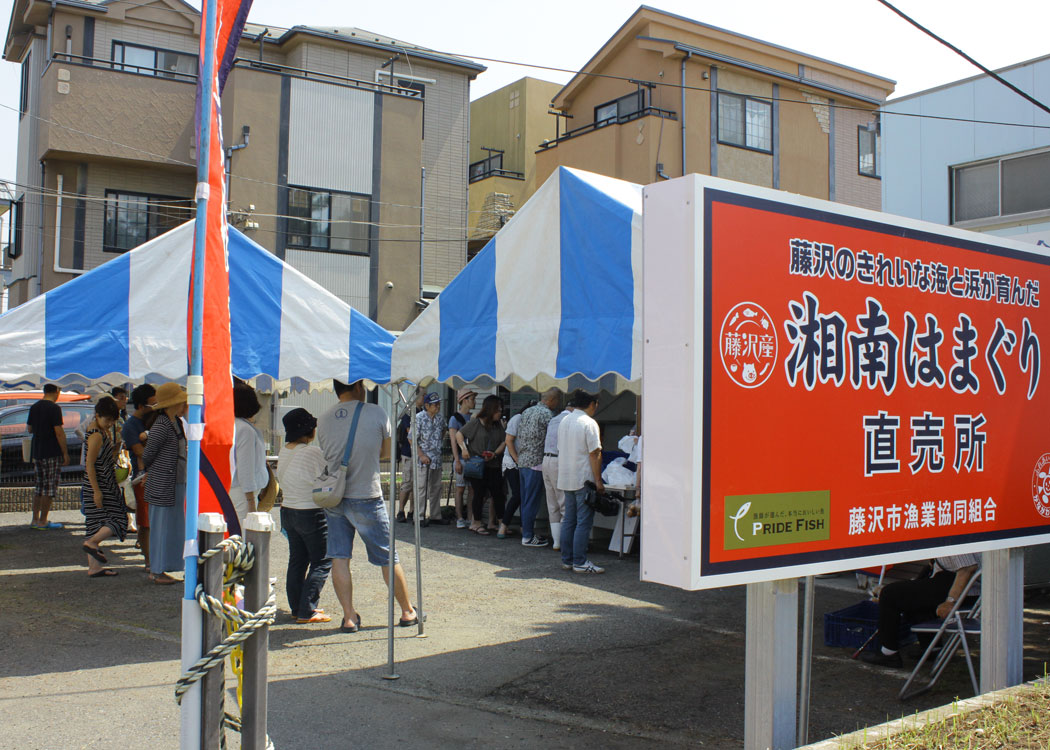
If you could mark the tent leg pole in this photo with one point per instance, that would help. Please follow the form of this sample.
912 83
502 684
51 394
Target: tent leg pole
419 508
770 686
391 674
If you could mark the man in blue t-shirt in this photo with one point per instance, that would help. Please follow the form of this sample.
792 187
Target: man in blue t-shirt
49 452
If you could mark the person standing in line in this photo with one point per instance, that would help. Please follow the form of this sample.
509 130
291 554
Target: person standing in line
142 399
484 436
431 434
120 395
361 510
465 400
250 476
403 446
532 435
49 453
103 504
305 525
555 497
165 460
579 462
511 475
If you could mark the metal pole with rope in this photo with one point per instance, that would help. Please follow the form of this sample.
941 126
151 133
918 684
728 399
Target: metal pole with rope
391 674
414 456
190 711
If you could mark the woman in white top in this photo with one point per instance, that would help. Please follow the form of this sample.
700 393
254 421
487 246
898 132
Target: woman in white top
302 521
249 454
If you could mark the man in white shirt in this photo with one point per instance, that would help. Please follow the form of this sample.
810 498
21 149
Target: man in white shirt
555 497
579 461
362 510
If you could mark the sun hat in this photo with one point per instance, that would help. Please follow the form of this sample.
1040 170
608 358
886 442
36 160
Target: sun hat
465 393
298 423
169 394
431 398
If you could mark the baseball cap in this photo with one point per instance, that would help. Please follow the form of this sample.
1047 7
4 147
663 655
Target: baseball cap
431 398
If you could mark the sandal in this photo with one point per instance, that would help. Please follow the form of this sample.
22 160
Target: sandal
104 573
351 628
95 552
162 579
481 531
315 617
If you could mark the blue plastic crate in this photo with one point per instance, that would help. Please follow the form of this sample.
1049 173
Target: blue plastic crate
852 626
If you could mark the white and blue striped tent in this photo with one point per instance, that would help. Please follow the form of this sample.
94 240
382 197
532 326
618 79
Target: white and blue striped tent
554 299
127 321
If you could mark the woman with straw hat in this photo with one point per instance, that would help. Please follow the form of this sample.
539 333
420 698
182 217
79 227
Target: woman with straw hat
165 460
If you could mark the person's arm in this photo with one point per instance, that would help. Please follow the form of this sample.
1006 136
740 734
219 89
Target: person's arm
962 576
245 463
595 458
60 435
509 446
94 444
159 434
463 452
384 449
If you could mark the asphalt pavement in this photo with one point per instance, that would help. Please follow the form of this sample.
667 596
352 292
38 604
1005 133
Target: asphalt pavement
517 653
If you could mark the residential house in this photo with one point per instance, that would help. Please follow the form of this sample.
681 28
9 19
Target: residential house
973 154
505 128
668 96
345 149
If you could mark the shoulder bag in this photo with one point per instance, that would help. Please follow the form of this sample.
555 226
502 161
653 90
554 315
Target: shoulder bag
329 487
474 467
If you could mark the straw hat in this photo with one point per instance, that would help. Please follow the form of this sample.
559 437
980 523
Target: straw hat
465 393
169 394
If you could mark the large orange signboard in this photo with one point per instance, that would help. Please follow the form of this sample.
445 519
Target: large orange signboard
870 388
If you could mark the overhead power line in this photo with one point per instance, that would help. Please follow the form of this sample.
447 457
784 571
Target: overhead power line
966 57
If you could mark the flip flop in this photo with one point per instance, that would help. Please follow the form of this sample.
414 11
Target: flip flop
104 573
413 621
162 580
351 628
482 531
95 553
315 617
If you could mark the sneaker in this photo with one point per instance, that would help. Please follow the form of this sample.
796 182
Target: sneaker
461 523
587 567
536 541
566 566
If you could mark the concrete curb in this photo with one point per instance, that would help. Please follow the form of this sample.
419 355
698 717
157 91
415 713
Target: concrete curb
862 737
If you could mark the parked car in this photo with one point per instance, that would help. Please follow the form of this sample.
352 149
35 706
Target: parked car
15 471
17 398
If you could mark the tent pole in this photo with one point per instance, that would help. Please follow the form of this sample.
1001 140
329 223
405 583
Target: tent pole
190 711
391 674
415 503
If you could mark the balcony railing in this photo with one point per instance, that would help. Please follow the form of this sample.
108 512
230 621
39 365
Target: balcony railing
123 67
591 127
495 172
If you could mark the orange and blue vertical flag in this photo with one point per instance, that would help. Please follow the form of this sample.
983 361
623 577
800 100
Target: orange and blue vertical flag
217 415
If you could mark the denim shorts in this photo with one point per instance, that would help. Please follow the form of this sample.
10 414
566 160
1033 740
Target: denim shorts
365 517
460 479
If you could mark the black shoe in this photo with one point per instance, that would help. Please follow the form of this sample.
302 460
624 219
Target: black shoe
440 521
400 516
880 659
424 523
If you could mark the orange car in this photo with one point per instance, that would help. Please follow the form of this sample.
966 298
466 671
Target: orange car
15 398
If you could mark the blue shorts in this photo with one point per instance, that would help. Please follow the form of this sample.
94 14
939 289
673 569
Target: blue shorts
365 517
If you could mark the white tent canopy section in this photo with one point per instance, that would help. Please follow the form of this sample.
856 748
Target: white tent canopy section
127 320
554 299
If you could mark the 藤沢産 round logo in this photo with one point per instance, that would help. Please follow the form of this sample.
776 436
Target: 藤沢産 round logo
748 344
1041 485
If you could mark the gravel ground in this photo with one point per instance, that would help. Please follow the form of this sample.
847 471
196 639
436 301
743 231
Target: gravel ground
518 654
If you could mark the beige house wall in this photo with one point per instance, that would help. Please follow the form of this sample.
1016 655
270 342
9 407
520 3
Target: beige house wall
850 186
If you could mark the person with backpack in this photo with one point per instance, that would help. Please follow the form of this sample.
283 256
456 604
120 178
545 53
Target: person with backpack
465 399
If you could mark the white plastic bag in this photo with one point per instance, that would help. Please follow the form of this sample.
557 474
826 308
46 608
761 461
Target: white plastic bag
618 475
626 443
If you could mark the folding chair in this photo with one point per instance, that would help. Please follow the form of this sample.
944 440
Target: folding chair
963 620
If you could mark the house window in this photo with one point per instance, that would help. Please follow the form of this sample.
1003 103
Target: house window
1002 187
620 109
868 150
14 229
150 61
745 122
336 222
479 170
134 218
23 99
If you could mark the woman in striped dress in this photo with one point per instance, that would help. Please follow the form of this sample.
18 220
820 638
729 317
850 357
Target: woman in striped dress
103 505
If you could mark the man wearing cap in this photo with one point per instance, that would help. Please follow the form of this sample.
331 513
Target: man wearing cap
361 510
465 399
430 431
529 442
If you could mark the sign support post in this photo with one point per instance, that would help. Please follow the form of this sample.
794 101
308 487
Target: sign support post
770 683
1002 614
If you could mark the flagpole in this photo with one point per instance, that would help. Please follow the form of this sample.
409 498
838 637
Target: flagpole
190 716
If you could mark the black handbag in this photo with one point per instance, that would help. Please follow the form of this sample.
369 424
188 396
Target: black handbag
603 503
